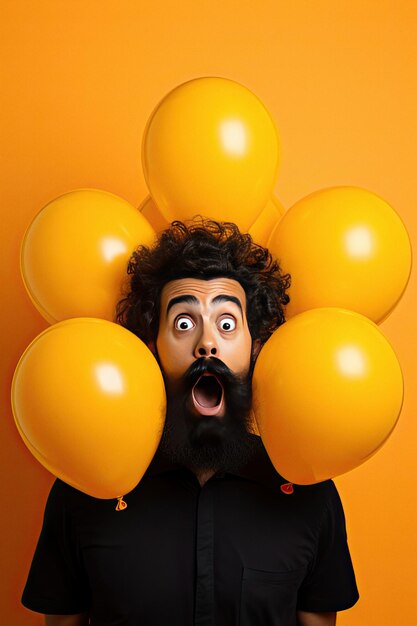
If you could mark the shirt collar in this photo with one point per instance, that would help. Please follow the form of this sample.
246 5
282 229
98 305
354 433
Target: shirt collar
258 469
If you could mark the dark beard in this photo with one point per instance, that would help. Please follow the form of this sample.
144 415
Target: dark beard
210 442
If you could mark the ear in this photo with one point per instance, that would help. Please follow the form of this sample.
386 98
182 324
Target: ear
256 347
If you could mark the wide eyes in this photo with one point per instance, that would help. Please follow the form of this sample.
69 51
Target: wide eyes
227 324
183 323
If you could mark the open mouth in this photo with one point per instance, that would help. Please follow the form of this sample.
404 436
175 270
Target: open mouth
207 395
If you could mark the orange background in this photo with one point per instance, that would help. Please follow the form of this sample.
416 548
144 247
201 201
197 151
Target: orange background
81 78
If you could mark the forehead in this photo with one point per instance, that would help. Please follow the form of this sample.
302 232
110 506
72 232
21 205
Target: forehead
204 290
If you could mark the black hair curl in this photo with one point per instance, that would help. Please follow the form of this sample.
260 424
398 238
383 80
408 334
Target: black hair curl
204 249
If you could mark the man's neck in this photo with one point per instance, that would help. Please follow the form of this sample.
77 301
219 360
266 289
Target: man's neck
203 475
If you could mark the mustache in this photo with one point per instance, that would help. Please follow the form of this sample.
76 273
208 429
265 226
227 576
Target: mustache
211 365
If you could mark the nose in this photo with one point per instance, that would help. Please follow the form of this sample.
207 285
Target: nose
206 344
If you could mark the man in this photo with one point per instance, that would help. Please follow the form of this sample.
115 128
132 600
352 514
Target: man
210 536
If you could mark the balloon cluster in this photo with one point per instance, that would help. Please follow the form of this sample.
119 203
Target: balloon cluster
88 396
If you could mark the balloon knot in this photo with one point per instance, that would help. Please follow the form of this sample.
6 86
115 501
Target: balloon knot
121 504
287 488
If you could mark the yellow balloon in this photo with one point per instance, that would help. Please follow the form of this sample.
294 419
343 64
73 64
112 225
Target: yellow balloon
211 148
260 230
75 252
328 391
154 216
89 402
344 247
266 222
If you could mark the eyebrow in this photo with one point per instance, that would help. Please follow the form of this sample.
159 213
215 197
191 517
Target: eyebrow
225 298
179 299
193 300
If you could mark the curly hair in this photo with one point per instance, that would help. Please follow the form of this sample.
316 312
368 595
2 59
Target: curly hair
204 250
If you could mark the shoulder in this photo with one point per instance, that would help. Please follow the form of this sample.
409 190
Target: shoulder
325 491
63 493
262 470
325 500
316 505
66 501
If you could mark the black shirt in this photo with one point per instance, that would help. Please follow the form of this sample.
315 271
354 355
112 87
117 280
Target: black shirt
237 551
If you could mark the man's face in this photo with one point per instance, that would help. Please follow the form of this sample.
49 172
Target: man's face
198 319
205 351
